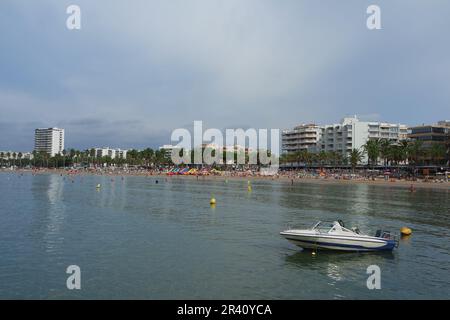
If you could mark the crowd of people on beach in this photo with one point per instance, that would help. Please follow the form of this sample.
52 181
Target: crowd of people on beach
297 174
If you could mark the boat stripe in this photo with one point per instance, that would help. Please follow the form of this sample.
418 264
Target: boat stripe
387 246
349 238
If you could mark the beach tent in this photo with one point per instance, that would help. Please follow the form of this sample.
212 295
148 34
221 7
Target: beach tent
183 171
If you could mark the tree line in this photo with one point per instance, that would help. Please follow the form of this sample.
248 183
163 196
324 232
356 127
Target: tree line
72 157
379 152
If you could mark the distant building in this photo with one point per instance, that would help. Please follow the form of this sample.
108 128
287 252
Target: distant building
229 148
49 140
167 148
229 151
438 133
352 133
304 137
112 153
342 138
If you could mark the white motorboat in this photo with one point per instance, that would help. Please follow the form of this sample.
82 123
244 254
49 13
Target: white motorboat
334 236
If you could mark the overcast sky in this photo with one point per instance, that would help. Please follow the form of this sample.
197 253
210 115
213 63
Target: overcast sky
139 69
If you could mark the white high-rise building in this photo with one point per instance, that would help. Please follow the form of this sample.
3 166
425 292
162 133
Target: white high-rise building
304 137
49 140
350 133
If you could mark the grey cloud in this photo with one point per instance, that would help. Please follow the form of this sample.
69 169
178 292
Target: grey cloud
138 70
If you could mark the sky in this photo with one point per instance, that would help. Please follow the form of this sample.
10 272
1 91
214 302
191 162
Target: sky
137 70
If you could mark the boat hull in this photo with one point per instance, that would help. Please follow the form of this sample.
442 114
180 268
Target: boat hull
340 243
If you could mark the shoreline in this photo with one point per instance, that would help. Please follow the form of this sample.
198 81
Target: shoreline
281 178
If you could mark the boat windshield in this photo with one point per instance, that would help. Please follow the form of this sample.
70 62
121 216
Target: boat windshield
323 226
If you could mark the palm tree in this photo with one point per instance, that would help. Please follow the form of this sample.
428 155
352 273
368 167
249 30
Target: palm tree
19 156
8 157
14 155
385 145
64 153
336 158
437 153
415 151
44 158
34 158
403 150
283 158
299 156
355 157
394 154
323 157
372 148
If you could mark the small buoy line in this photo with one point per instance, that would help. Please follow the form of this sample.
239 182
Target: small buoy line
212 200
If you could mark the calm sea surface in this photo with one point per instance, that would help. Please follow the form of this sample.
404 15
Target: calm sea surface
135 238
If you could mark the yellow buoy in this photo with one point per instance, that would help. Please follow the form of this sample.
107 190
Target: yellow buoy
212 201
405 231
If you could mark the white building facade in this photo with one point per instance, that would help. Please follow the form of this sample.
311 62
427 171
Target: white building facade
304 137
168 149
49 140
112 153
343 137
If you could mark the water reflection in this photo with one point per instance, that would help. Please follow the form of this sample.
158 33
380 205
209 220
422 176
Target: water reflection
56 212
168 230
50 210
338 266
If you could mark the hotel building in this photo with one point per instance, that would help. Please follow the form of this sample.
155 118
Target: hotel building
304 137
350 133
438 133
167 148
112 153
49 140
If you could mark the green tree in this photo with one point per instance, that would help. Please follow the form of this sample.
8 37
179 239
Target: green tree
14 156
385 149
437 153
415 151
34 157
372 148
19 156
355 157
